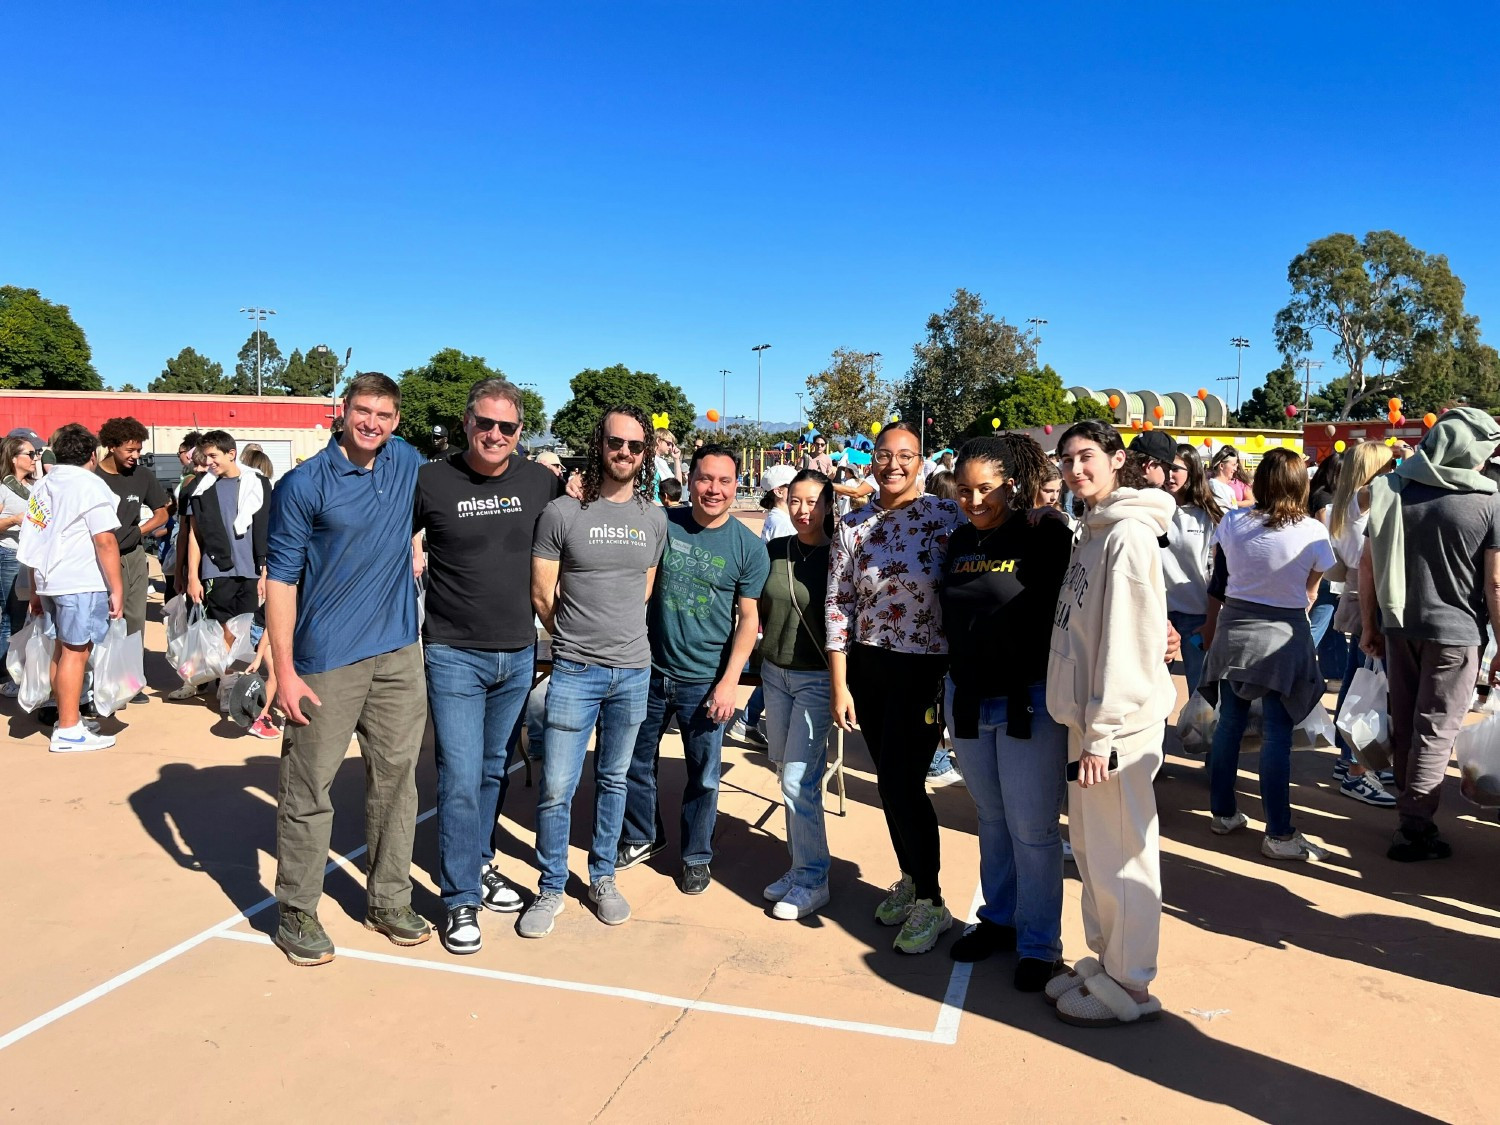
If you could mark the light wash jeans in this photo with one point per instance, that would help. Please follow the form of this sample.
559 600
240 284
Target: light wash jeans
1018 786
798 719
579 696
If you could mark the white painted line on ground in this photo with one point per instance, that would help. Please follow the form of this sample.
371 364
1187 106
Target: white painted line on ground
952 1010
680 1002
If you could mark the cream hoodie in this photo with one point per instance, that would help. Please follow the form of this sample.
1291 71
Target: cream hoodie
1106 679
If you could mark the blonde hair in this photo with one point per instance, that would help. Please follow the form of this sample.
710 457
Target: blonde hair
1362 464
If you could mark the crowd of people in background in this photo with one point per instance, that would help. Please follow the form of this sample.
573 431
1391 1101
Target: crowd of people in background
1000 613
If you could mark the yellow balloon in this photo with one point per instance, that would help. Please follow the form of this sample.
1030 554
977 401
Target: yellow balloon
875 430
895 417
994 423
1390 441
1339 446
810 427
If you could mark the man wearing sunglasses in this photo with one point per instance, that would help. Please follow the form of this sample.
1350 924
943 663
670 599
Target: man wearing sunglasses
479 510
817 456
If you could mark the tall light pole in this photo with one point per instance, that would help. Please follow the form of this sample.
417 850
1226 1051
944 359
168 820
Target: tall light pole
1036 323
257 315
759 349
330 362
801 417
724 374
1308 367
1240 344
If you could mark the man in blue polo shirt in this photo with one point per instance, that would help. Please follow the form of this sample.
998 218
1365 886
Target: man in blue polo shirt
341 611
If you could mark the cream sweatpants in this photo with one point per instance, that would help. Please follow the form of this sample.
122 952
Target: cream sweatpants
1113 829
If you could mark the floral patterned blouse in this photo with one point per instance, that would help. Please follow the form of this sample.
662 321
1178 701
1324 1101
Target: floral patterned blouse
884 574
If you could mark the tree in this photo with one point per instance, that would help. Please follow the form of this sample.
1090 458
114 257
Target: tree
190 374
597 389
536 413
271 365
312 375
436 394
41 347
1266 406
130 389
848 396
1032 398
965 356
1384 302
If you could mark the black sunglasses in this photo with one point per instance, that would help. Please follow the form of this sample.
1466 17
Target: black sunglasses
485 425
618 443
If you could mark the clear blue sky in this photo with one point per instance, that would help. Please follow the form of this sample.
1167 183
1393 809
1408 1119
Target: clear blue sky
565 185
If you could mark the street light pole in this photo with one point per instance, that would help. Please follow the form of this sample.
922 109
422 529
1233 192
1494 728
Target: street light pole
759 349
330 362
801 417
1036 323
258 315
724 374
1240 344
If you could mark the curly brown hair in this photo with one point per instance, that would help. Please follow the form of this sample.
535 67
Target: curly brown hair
117 431
593 471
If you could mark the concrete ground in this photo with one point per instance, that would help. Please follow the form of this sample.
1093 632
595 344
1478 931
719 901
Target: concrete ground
133 989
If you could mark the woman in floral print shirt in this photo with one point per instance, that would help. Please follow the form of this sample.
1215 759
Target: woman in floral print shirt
887 657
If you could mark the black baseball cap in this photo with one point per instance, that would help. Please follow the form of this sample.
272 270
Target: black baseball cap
1156 445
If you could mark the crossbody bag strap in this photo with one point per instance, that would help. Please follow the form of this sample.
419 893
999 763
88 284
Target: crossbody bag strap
791 581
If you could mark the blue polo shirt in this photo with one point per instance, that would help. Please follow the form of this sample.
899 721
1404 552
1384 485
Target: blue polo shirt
342 536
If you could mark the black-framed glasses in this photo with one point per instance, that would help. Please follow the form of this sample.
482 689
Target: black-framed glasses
485 425
26 453
616 444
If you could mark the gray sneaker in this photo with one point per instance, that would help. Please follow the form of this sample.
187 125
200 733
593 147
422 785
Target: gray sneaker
536 921
302 938
612 907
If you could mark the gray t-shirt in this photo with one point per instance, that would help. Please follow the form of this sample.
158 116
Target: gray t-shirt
1447 534
605 551
227 492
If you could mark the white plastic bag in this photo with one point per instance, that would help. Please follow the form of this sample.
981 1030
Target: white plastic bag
118 662
1315 730
203 655
174 616
1364 721
1196 725
243 649
29 661
1478 751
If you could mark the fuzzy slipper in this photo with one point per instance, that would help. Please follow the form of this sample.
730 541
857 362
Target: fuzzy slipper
1064 983
1101 1002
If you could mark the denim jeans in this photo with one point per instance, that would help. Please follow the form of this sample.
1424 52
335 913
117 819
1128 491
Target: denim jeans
798 718
702 741
475 698
755 706
579 696
1018 786
9 568
1187 626
1275 759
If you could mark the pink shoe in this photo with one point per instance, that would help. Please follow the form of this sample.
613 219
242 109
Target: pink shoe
264 727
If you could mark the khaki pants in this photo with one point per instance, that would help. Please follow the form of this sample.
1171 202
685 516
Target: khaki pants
134 572
1430 689
1114 832
382 700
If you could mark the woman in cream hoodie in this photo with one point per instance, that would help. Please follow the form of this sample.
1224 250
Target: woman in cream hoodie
1107 684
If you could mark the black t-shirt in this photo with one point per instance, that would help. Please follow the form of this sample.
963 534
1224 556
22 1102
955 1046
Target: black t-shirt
137 487
999 593
479 535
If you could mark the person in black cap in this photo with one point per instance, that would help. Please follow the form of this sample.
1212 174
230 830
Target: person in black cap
1154 451
440 448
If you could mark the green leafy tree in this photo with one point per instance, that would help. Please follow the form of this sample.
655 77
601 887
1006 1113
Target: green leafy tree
272 363
436 393
536 413
965 358
130 389
1383 301
597 389
1266 406
41 347
1031 398
312 375
849 392
190 373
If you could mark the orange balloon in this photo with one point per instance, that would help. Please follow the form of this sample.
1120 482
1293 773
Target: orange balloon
1149 426
1429 419
1114 402
1159 412
712 415
1394 405
1208 443
1202 394
1135 424
1393 417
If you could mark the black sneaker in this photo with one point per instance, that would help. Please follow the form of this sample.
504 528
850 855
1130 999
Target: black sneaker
1033 973
46 717
695 878
1414 849
982 938
631 854
402 924
461 930
498 892
302 938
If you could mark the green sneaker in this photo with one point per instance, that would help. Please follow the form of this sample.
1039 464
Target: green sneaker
402 924
897 905
923 926
302 938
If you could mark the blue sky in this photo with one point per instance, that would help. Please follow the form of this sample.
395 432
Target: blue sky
559 186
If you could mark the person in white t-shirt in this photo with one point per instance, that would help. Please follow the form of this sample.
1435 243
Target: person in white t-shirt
68 539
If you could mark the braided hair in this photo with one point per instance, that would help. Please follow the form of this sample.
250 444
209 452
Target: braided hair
1019 457
593 471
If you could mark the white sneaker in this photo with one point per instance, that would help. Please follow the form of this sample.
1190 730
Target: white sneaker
79 740
1224 825
186 691
799 902
777 890
498 893
1297 847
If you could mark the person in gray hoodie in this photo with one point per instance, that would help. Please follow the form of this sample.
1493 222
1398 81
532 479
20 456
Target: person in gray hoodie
1107 685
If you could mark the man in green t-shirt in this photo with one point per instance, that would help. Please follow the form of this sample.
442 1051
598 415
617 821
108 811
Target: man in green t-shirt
702 621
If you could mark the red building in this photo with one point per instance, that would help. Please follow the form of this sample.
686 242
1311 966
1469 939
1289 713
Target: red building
45 411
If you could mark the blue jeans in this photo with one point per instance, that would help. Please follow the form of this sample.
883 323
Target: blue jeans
1187 625
475 698
702 740
1275 759
1018 786
755 706
9 568
578 697
798 718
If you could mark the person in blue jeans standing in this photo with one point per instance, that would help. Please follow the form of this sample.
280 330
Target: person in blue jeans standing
999 591
794 670
478 509
703 624
593 567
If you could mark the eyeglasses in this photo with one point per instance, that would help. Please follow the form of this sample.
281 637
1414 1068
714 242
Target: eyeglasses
485 425
26 453
618 443
885 457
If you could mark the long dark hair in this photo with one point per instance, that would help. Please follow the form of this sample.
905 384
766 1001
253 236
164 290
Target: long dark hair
1327 476
1019 457
593 470
1107 438
828 498
1196 493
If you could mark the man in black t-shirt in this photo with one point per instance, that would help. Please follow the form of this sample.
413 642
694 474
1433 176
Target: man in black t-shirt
479 510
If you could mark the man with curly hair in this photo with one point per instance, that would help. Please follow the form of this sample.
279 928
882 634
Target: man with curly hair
136 488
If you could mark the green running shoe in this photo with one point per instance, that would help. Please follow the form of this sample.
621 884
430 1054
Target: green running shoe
897 905
923 926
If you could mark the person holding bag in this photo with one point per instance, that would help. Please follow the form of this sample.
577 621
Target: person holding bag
18 460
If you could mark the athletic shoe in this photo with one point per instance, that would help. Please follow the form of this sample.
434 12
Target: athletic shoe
778 890
744 732
799 902
302 938
1224 825
403 925
1365 788
1340 769
924 924
1068 856
461 930
10 689
1033 973
1297 847
140 697
264 727
947 776
46 717
695 878
631 854
79 740
610 903
896 905
186 691
1386 778
1415 849
498 893
536 922
981 939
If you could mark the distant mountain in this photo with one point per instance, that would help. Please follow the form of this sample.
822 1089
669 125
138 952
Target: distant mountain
767 424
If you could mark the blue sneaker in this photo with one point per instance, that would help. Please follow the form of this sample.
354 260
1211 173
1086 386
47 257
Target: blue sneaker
1366 788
